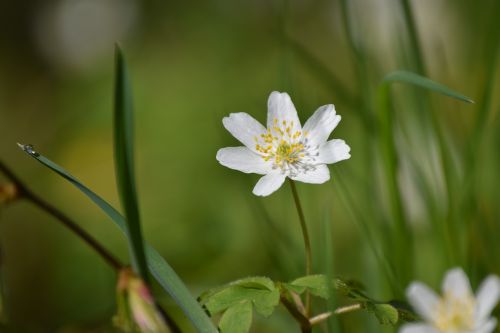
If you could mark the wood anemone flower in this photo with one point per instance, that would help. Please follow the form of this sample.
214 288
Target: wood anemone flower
285 148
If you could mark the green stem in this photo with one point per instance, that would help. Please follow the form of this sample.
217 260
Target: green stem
446 159
413 35
401 233
307 243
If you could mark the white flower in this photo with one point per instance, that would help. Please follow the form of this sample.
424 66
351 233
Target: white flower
284 149
458 310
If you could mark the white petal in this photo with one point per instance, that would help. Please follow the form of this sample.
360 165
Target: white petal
318 176
456 283
333 151
417 328
244 128
243 159
487 327
423 299
268 184
280 107
319 126
487 296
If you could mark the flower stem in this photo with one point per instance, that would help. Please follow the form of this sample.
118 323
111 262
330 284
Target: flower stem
307 243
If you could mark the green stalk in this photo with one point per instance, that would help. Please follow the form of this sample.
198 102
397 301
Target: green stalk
413 36
307 243
367 112
444 151
469 201
401 237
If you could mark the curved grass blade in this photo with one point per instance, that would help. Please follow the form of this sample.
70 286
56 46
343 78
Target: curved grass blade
124 163
423 82
160 269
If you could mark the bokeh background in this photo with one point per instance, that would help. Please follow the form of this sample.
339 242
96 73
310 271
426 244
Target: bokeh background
192 63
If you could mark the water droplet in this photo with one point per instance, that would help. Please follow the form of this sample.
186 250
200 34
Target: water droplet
29 149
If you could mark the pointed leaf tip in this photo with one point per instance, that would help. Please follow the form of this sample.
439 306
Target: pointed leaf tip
158 267
423 82
124 163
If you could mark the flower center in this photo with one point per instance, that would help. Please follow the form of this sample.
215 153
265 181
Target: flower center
288 153
287 149
455 314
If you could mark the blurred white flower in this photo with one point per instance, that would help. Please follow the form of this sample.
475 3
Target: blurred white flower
458 310
78 34
284 149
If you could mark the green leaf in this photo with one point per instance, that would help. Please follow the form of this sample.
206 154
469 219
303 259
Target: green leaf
404 311
385 313
260 291
124 163
160 269
423 82
316 284
264 300
265 303
256 282
237 319
351 289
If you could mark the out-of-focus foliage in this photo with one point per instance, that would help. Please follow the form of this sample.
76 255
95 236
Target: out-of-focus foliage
193 62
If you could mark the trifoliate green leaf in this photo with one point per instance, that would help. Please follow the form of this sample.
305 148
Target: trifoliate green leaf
237 319
316 284
254 282
260 291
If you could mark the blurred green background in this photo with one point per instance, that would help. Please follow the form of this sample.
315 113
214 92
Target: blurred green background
194 62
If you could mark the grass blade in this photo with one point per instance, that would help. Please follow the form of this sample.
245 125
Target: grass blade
390 157
124 163
160 269
423 82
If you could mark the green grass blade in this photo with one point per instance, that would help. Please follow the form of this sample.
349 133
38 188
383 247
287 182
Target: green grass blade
411 26
160 269
401 235
423 82
124 163
388 146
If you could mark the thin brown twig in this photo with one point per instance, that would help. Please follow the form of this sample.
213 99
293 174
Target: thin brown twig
304 323
26 193
298 302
